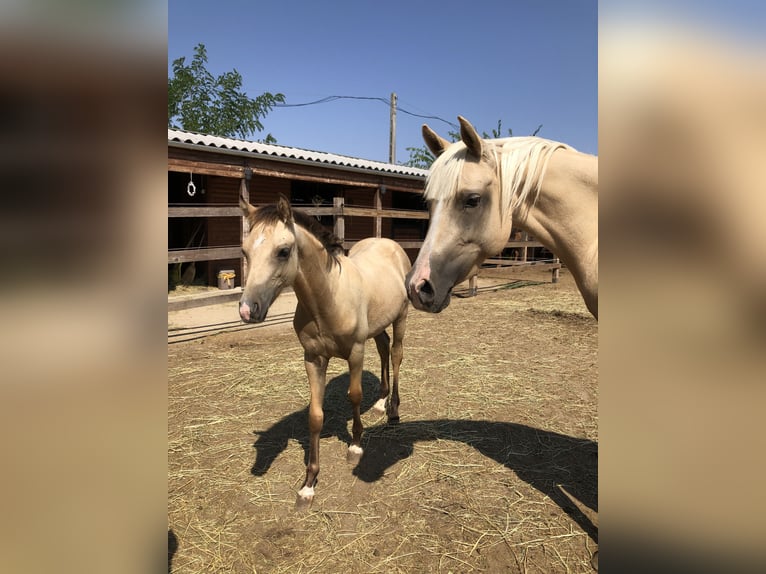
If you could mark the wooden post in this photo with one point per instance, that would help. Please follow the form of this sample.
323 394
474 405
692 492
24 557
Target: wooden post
392 134
339 224
378 206
244 191
555 271
524 237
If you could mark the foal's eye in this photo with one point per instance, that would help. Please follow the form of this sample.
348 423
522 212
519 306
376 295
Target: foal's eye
283 253
472 201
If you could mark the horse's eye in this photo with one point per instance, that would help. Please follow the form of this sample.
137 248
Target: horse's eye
283 253
472 200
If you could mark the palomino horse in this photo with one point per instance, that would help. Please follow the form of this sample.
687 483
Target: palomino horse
342 302
478 189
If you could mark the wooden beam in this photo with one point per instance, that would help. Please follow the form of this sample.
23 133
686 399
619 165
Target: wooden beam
403 244
512 263
230 165
317 210
204 211
204 254
523 244
389 213
202 300
205 167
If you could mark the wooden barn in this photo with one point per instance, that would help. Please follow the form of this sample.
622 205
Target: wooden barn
206 174
359 198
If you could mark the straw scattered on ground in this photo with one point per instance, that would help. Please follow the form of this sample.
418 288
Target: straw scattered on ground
498 424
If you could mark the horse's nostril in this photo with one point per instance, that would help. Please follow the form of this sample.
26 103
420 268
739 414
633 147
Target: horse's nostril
426 292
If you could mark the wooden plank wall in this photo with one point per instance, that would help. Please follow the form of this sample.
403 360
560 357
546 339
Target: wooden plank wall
223 231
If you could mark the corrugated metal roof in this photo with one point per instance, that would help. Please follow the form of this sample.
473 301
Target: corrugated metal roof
244 147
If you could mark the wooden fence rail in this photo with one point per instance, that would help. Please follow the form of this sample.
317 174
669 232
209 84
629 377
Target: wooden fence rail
338 211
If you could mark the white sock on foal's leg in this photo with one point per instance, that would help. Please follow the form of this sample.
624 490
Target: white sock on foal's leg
354 454
305 498
380 406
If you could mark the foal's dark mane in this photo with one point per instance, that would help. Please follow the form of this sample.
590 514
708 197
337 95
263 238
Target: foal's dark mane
269 215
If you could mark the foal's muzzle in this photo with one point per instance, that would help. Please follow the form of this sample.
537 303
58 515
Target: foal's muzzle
251 312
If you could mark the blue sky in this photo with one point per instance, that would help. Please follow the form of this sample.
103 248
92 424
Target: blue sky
525 62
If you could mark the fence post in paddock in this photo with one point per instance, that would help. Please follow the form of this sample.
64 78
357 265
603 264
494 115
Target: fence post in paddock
339 223
473 285
244 191
524 237
555 270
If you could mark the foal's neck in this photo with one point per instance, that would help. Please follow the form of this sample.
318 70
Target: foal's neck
315 279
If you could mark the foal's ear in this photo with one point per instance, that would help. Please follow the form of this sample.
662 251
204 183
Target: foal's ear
434 141
470 137
245 206
284 210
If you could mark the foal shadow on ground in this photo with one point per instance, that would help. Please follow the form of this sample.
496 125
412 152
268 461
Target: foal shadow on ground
543 459
337 413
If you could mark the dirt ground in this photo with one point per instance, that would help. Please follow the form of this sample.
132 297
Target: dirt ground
498 434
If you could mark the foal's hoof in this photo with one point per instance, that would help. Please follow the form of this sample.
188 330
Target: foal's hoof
354 454
304 499
393 420
379 407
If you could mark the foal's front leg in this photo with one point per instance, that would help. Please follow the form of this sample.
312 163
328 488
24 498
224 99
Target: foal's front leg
316 369
355 364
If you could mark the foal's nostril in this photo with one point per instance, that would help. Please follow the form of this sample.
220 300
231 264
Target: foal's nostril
248 313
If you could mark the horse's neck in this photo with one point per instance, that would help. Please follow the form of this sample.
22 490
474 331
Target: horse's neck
565 217
316 280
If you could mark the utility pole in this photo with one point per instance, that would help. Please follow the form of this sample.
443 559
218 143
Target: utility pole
392 134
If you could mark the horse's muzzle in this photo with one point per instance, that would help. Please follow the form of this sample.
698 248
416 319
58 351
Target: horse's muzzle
423 297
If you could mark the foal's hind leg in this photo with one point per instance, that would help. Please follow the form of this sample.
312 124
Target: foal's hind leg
397 354
383 342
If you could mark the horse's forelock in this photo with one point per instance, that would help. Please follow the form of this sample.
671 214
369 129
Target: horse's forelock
269 215
264 215
442 180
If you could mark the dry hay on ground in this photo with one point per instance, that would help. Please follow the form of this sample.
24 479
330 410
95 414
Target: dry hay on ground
499 408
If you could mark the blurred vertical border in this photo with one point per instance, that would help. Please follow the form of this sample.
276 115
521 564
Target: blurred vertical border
82 235
682 333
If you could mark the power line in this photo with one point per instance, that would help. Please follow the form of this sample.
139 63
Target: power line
385 101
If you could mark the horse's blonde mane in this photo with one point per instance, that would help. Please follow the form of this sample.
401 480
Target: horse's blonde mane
520 161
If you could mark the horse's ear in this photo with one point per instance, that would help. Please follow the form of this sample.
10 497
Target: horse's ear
470 137
284 210
245 206
434 141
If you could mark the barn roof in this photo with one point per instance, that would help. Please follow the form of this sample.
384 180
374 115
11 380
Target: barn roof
180 138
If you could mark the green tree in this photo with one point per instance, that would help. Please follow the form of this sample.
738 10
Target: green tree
200 102
422 157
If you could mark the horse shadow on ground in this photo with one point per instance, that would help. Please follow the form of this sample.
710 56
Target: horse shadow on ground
545 460
172 548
